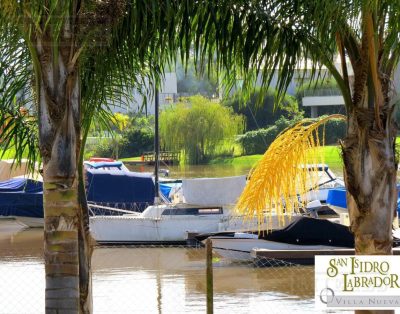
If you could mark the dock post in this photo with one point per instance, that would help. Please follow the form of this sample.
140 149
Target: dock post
210 301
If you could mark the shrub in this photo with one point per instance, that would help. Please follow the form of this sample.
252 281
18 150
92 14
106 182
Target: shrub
135 142
257 142
334 131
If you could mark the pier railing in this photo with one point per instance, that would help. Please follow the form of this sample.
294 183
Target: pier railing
166 157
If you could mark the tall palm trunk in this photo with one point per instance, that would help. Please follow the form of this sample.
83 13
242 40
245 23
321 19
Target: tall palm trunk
370 175
59 105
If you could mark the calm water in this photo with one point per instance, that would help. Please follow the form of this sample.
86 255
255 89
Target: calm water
198 171
152 280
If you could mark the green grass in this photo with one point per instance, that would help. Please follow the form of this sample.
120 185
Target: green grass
138 158
9 154
331 158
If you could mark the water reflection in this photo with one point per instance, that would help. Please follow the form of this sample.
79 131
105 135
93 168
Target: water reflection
198 171
153 280
211 171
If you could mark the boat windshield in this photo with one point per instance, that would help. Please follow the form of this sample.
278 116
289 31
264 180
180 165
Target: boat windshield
193 211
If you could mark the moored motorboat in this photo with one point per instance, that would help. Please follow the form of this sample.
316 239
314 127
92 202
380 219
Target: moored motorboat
108 184
170 223
303 234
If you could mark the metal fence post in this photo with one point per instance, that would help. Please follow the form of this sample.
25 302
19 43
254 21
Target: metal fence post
210 302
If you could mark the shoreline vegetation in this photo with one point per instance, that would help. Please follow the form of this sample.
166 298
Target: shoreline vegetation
331 157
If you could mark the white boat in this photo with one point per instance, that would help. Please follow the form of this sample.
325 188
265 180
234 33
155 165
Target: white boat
326 182
238 247
204 206
204 211
303 234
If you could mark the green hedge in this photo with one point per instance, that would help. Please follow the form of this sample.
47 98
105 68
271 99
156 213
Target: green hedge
257 142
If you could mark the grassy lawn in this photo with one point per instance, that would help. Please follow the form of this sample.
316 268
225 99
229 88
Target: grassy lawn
138 158
331 157
9 154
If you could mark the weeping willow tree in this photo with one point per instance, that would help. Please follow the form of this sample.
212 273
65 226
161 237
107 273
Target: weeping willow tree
198 127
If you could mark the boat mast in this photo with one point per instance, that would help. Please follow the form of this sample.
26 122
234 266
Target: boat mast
156 148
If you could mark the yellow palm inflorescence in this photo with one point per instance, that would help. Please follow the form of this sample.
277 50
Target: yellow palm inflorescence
281 175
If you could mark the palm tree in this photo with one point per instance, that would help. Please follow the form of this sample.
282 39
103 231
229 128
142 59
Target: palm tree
69 59
254 38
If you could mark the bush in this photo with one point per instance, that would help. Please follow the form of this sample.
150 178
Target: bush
335 130
132 142
263 114
105 148
257 142
135 142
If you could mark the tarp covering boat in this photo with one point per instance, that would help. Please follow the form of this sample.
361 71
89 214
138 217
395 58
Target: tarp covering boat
134 191
21 197
21 184
213 191
311 231
128 190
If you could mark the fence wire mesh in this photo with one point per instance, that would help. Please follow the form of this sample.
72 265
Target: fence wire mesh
157 279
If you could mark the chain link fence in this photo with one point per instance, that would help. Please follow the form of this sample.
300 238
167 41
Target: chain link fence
158 279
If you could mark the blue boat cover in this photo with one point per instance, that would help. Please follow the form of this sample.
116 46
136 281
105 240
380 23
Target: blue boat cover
337 197
120 189
115 188
21 197
311 231
21 184
103 164
165 188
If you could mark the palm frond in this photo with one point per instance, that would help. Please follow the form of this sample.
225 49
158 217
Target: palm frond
18 123
282 175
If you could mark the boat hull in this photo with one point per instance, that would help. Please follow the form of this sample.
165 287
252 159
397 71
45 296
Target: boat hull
133 229
239 249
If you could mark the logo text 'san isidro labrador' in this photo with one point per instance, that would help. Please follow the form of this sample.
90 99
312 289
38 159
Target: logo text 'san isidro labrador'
357 282
358 273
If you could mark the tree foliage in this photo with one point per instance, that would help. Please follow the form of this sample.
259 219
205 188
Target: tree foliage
260 115
197 127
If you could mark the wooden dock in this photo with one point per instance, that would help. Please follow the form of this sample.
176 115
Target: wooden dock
302 257
166 157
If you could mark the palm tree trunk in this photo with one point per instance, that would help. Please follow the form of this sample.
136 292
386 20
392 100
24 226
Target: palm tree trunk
59 129
370 175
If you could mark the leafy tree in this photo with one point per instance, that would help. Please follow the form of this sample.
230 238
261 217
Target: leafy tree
197 127
259 115
257 141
